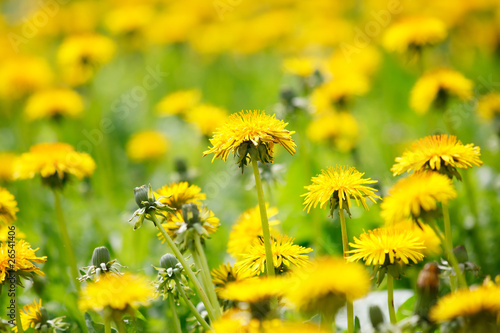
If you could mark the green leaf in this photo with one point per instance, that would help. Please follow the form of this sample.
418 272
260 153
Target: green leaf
406 309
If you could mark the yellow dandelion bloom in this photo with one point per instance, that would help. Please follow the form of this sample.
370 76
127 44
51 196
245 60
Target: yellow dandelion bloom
365 62
207 118
301 66
117 292
286 255
54 103
147 146
327 284
8 207
488 106
338 186
54 159
343 87
209 222
251 129
436 152
236 321
248 228
24 258
254 290
4 233
31 316
178 102
7 162
178 194
225 274
416 195
129 19
414 33
425 233
436 86
339 128
386 246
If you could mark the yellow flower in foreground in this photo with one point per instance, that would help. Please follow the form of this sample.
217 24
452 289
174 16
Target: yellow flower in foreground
54 103
248 228
414 196
178 102
25 257
327 284
7 162
437 86
386 246
254 290
250 131
178 194
31 316
442 153
146 146
8 207
225 274
117 292
488 106
206 117
338 186
413 33
54 160
286 255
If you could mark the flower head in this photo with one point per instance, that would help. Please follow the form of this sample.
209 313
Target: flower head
338 186
301 66
8 207
149 206
425 233
35 316
7 162
178 102
101 265
437 86
176 195
147 146
442 153
207 118
488 106
25 258
339 128
54 103
250 135
225 274
415 196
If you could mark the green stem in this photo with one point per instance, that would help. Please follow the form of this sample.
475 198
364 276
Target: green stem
177 323
345 249
191 306
19 324
350 317
449 241
187 269
327 322
70 254
390 298
263 218
120 325
107 324
205 270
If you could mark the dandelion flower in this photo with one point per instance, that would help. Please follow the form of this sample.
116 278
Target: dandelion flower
116 292
338 186
54 103
147 146
7 162
254 290
250 133
342 87
8 207
207 118
178 102
425 233
24 260
286 255
225 274
416 196
300 66
339 128
387 246
4 233
178 194
488 106
128 20
437 86
414 33
176 225
36 317
442 153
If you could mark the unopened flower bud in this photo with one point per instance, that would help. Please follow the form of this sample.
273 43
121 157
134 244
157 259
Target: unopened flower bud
376 316
168 261
143 193
100 256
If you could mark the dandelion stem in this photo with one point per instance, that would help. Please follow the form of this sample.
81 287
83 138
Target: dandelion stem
177 323
263 218
449 240
107 324
70 254
205 270
390 298
345 249
19 324
328 322
191 306
187 269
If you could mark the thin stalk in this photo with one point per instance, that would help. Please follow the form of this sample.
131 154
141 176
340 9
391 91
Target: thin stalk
263 218
120 325
19 324
390 298
191 306
70 254
350 317
449 240
345 249
209 286
449 252
328 322
177 323
107 324
187 269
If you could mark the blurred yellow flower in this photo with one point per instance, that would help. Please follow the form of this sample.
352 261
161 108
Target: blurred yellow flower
416 195
147 146
339 128
31 316
254 290
301 66
364 62
442 153
236 321
341 88
225 274
54 103
178 194
178 102
4 233
338 186
8 207
7 162
414 33
25 258
286 256
116 292
128 19
425 233
488 106
436 86
248 228
387 246
206 118
22 75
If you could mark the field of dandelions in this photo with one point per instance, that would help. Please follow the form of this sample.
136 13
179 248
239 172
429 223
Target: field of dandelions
235 166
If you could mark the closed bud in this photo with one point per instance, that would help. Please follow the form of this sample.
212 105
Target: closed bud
140 195
190 213
100 256
376 316
427 289
168 261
